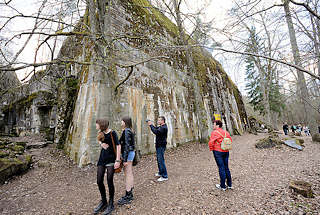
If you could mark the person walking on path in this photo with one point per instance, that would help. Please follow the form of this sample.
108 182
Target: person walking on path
161 132
306 130
285 128
221 156
293 129
107 160
127 154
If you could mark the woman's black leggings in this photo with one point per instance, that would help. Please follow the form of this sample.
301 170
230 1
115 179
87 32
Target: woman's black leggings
100 177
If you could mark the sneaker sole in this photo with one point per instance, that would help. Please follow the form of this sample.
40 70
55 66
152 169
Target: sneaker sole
162 180
129 202
102 209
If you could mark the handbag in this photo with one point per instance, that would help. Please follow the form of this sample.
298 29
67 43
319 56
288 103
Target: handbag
135 159
118 170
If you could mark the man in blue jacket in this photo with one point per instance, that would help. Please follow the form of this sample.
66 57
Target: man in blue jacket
161 133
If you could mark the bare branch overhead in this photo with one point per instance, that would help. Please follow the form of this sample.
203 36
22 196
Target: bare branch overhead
307 7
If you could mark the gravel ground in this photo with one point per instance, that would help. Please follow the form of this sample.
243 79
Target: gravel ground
260 178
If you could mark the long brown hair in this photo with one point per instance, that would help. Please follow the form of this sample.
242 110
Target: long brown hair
100 136
127 121
104 125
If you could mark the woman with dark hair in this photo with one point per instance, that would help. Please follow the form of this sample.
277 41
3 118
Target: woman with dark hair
107 160
221 156
127 154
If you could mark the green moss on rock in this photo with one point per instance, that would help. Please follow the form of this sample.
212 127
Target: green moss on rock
28 159
3 154
21 144
16 148
151 15
11 167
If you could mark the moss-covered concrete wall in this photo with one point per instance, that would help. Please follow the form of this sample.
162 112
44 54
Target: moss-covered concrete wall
156 87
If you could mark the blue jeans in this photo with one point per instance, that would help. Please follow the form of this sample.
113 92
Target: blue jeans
131 155
224 172
160 159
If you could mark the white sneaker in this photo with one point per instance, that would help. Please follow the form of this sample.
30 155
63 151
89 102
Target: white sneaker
157 175
220 188
230 188
162 179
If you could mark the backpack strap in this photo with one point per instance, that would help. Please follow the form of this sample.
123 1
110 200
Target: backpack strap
225 134
114 145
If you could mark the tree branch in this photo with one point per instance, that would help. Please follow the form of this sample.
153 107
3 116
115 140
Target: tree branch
307 7
35 65
269 58
131 69
124 80
33 17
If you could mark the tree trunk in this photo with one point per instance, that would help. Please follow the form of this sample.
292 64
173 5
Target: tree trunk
316 36
303 91
191 69
265 91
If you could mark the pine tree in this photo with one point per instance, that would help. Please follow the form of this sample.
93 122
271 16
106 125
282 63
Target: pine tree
253 86
254 78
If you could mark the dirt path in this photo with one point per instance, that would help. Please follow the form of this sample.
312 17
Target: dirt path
260 178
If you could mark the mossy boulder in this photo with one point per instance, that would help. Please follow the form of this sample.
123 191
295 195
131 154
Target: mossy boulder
316 138
4 143
4 154
273 135
301 187
21 144
13 166
300 142
16 148
268 142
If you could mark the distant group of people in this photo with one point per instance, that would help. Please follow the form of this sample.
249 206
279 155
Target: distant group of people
116 153
296 129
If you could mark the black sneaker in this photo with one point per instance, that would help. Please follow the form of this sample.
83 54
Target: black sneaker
102 205
127 199
124 200
109 209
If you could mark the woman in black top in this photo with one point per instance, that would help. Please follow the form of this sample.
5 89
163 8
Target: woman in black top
107 160
127 154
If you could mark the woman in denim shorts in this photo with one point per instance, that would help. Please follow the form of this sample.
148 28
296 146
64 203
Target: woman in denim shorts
127 154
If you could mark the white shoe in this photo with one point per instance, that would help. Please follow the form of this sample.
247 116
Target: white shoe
220 188
162 179
230 188
157 175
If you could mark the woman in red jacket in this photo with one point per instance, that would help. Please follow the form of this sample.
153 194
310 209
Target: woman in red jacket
221 156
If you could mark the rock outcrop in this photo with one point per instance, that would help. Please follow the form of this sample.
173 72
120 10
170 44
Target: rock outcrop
301 187
316 138
12 159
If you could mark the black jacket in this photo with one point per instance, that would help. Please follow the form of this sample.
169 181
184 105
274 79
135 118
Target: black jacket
127 143
161 133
